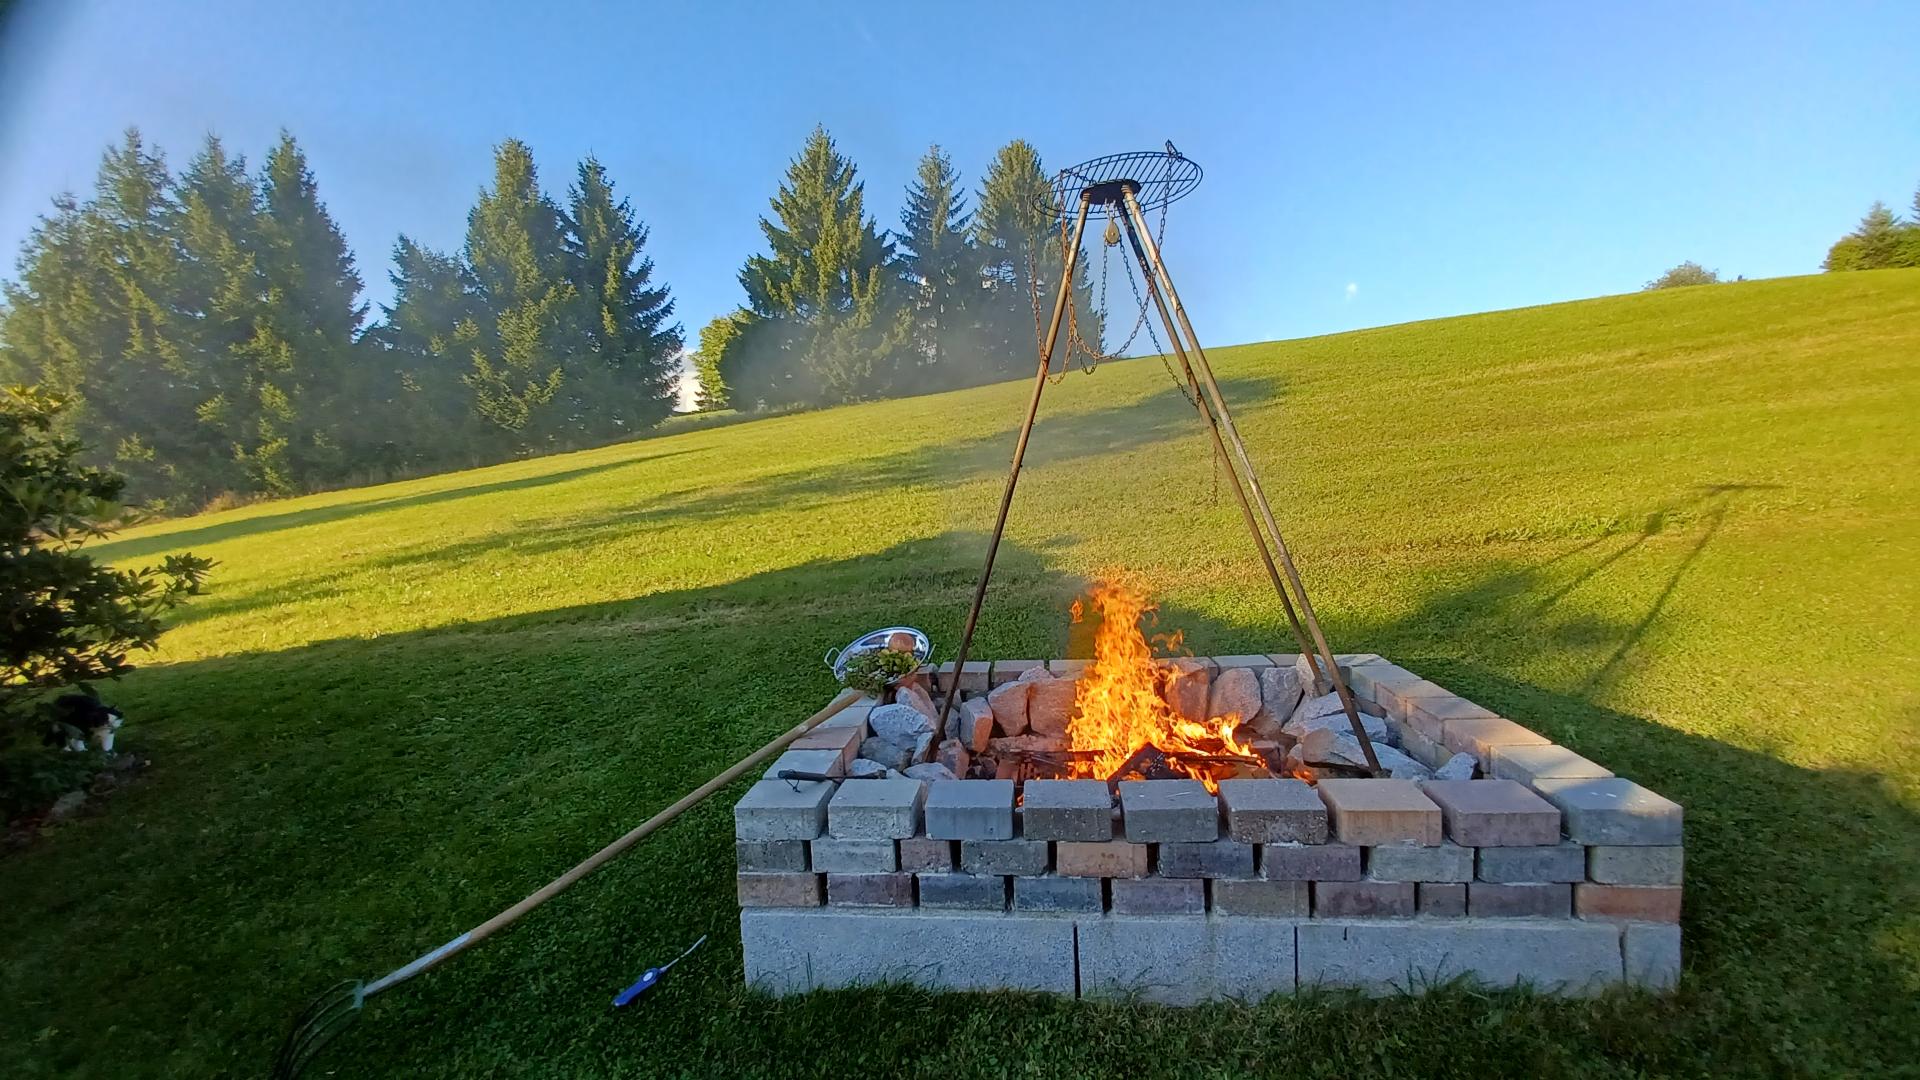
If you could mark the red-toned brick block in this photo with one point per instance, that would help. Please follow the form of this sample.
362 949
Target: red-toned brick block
1645 903
778 890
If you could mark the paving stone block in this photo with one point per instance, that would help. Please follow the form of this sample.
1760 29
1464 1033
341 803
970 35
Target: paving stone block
1309 862
1413 862
1370 812
795 951
1368 679
1398 697
834 856
979 892
1481 735
1066 669
1185 961
1159 896
970 810
779 810
1284 659
1168 811
1362 899
1051 892
870 890
974 678
1447 901
854 716
1652 954
876 809
1644 903
1432 715
1496 900
843 741
1273 812
1426 751
1494 813
1022 858
1006 671
778 890
1101 859
1556 862
925 855
824 762
1211 859
1528 764
1636 865
1066 810
1256 662
1274 899
1565 957
1614 812
771 856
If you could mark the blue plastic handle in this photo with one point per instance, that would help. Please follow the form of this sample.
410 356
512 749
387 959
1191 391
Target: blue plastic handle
647 979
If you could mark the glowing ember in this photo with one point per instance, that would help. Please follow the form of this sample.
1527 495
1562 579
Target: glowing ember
1122 705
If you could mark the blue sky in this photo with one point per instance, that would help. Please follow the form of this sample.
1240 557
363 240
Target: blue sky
1366 164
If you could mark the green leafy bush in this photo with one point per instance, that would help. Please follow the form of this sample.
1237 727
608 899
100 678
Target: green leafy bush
874 670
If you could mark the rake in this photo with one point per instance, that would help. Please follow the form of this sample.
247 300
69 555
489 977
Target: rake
329 1013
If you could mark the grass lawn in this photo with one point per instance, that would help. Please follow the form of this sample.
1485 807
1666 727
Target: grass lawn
1678 532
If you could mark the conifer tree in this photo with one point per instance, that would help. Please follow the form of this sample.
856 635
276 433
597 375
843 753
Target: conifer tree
941 270
717 338
1020 245
627 373
425 340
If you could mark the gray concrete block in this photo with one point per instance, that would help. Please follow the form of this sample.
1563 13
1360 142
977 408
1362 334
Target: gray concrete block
755 890
1494 813
1614 812
1272 899
1168 811
1412 862
1184 961
1426 751
1158 896
779 810
1363 899
1635 865
1066 669
1487 899
1066 810
870 890
1212 859
790 952
1564 956
770 856
1022 858
876 809
970 810
1556 862
1050 892
1006 671
1439 900
1254 661
1482 735
1310 862
853 716
1273 812
837 856
973 677
972 891
923 855
1430 715
1528 764
843 741
1652 954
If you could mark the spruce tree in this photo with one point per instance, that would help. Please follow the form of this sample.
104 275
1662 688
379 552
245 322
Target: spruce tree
425 341
717 339
1017 242
626 378
940 268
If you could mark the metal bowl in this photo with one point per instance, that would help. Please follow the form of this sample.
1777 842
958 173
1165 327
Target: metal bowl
877 639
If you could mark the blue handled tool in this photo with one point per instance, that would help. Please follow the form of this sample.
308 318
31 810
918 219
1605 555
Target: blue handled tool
652 975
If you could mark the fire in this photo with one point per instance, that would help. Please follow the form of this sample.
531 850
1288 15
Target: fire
1122 703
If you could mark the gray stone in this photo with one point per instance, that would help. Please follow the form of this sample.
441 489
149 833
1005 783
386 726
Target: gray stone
1275 899
1529 764
887 755
1312 675
1555 862
771 856
1330 746
1614 812
930 771
970 810
1457 767
1053 893
1310 862
1532 900
876 809
867 768
1440 900
1273 811
923 751
816 762
1067 810
1635 865
1362 899
1376 727
953 756
834 856
782 810
1413 862
1318 707
972 724
870 890
1189 683
969 891
790 952
1159 896
1049 705
1185 961
1567 957
1021 858
1211 859
924 855
1168 811
1008 703
1236 693
1652 954
1279 696
914 696
902 725
1494 813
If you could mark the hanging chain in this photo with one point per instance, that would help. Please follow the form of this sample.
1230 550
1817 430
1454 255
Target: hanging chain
1077 345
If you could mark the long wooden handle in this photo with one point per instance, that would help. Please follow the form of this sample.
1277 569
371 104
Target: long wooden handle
593 862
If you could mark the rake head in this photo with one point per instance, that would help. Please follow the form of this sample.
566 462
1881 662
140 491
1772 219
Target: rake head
316 1026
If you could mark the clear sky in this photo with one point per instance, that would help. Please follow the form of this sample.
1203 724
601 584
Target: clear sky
1366 163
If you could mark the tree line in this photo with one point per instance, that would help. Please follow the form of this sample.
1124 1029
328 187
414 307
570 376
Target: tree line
1883 240
205 332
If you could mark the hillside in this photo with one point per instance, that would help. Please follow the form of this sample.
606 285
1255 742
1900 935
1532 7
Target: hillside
1676 531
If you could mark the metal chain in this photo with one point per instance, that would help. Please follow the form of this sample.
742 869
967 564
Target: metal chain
1077 345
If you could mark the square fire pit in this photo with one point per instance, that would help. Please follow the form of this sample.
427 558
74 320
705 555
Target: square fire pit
1186 876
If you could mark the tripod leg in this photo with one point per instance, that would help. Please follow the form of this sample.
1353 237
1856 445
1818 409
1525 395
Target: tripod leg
1060 302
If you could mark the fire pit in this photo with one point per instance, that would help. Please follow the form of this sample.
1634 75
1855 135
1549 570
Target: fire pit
1195 828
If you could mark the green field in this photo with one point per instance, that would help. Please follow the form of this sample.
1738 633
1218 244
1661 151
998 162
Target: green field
1676 531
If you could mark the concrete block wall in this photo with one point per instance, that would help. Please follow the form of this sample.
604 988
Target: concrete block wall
1543 869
